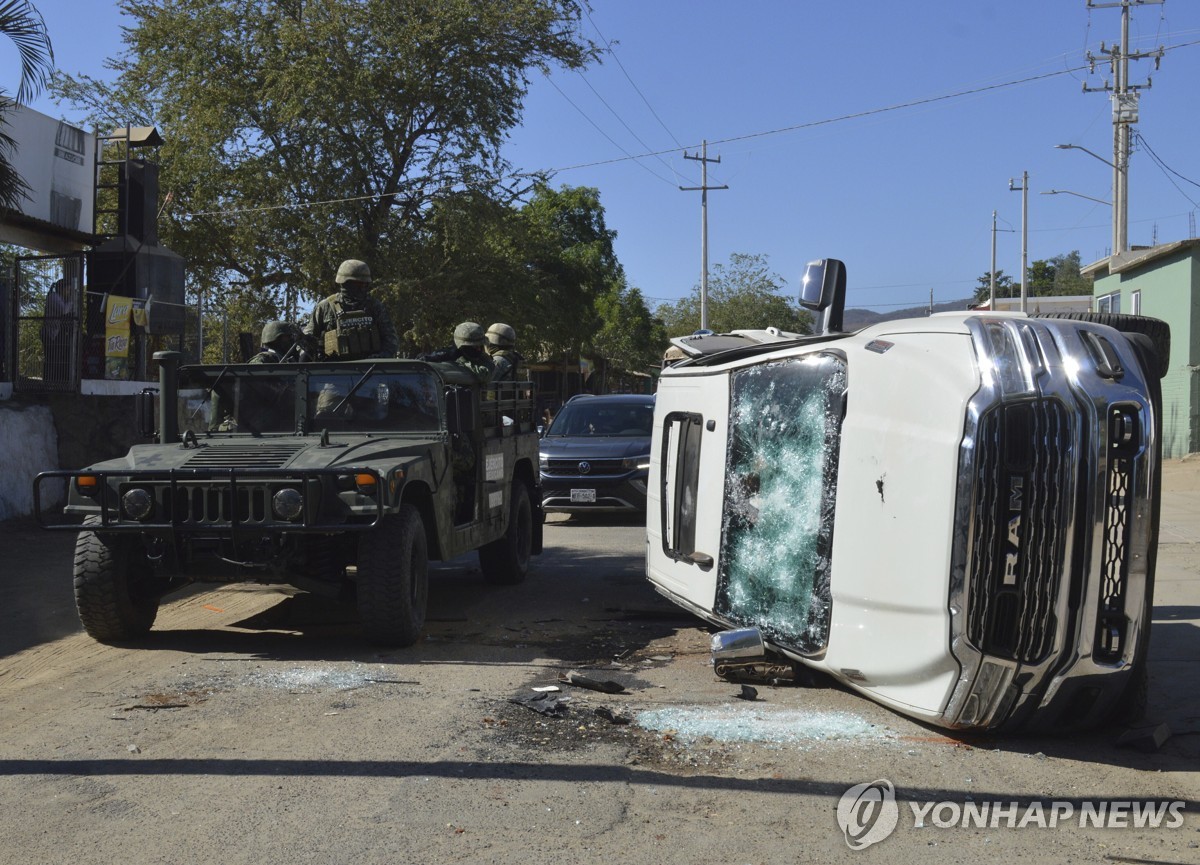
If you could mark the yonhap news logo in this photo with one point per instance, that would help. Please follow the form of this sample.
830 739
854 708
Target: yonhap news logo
868 813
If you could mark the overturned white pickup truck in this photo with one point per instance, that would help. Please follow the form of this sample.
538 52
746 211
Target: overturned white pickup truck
956 515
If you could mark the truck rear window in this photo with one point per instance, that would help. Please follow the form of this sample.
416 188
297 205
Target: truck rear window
781 474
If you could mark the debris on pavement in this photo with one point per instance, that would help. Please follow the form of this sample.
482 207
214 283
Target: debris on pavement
747 693
612 717
606 686
546 703
758 723
1146 738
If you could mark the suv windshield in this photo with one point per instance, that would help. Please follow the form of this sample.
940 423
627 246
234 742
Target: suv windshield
605 417
225 400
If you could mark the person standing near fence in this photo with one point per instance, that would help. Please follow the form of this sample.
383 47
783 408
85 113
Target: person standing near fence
58 331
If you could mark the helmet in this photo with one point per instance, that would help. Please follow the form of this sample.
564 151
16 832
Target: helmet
468 334
353 270
501 336
276 330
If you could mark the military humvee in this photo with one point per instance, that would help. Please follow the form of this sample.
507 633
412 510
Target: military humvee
343 478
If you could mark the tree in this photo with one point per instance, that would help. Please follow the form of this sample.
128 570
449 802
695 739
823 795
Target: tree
332 126
745 294
983 286
21 22
1041 279
629 336
1067 278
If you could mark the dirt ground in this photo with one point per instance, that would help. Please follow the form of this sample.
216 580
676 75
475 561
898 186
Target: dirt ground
255 727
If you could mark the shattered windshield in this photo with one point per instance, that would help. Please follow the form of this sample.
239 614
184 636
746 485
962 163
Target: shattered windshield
781 470
384 402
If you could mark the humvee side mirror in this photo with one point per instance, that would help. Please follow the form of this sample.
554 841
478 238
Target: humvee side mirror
823 289
460 409
146 416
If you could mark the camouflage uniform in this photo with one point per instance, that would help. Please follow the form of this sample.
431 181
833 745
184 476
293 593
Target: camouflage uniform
351 324
468 351
278 340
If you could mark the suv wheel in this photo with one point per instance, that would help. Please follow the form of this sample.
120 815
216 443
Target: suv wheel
393 579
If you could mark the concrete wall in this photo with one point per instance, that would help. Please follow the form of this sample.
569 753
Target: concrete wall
65 431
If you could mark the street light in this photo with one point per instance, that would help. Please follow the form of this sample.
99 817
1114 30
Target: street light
1077 195
1085 150
1120 202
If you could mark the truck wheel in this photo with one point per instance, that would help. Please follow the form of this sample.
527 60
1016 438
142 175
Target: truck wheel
1158 331
505 561
393 579
115 593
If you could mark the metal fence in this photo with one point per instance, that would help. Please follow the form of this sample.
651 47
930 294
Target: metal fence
56 332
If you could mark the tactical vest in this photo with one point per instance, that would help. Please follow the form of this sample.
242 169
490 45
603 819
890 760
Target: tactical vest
355 333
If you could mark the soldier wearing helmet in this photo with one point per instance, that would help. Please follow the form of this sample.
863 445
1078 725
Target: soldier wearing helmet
281 341
470 352
351 324
501 345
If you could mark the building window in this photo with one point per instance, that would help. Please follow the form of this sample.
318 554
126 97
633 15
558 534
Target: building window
1109 302
1135 303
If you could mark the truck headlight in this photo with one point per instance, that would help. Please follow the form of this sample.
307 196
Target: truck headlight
137 503
287 503
1004 364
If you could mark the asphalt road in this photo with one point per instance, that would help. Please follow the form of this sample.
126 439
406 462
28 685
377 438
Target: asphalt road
254 727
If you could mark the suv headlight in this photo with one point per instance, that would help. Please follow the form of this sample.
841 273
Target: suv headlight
543 461
642 462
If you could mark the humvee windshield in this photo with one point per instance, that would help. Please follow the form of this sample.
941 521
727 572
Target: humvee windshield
266 400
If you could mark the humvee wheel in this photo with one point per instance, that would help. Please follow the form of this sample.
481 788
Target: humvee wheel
393 579
505 561
114 590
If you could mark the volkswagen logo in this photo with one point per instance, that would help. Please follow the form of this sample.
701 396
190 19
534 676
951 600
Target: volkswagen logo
584 468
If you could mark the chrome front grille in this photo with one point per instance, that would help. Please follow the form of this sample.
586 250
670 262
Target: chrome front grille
1021 514
1112 621
572 467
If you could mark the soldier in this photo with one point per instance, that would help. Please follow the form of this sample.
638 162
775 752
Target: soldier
502 349
281 341
351 324
468 351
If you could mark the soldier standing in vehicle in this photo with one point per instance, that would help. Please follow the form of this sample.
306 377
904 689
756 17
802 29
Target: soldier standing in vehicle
469 342
502 349
281 341
350 324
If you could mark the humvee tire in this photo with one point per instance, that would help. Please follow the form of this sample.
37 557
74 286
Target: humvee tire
393 579
505 561
113 592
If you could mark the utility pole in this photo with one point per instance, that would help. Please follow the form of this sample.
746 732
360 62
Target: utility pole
992 291
1024 190
1124 114
703 188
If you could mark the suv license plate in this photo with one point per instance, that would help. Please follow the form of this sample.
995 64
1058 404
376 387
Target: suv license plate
583 496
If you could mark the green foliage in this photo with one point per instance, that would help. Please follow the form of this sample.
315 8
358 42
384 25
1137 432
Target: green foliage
331 127
629 336
983 286
745 294
1067 278
22 23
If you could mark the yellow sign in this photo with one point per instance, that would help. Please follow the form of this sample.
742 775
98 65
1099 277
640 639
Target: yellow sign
117 312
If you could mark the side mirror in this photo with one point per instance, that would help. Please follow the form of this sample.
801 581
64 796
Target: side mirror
823 289
146 415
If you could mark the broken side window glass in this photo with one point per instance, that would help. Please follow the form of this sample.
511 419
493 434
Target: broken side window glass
781 474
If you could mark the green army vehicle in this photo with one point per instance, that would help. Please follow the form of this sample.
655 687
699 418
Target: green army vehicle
343 478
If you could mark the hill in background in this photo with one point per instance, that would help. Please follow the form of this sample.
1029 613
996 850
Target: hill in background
855 319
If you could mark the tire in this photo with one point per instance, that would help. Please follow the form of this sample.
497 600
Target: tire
505 562
393 579
115 592
1158 331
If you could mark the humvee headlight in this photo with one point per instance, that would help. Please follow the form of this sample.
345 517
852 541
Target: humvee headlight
87 485
137 503
287 503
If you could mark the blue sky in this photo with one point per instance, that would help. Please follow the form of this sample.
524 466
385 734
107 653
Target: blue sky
904 196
